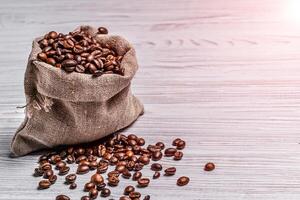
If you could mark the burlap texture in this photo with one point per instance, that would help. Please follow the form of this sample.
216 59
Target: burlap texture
71 108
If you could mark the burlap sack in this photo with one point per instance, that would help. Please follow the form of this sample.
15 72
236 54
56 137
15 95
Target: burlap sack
64 109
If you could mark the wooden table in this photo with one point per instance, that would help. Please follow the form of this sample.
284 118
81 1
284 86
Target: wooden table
223 75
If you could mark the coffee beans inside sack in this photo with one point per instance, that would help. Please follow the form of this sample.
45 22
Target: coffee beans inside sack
77 88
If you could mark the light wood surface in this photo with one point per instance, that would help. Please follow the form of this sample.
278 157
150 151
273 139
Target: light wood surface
223 75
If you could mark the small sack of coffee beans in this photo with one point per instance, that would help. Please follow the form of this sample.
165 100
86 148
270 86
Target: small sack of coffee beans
77 89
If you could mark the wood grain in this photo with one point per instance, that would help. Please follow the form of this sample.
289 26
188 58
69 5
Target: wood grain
223 75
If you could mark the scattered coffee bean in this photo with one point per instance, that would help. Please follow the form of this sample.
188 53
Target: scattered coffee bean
38 172
143 182
156 167
93 193
70 178
83 169
101 186
170 171
85 198
129 189
64 170
52 179
180 145
161 145
88 186
136 176
209 166
134 195
113 181
44 184
102 30
178 155
147 197
126 174
156 175
105 192
156 156
183 181
73 186
97 179
169 152
48 173
62 197
124 198
176 141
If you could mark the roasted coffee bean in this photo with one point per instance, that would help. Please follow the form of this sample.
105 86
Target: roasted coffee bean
180 145
141 141
44 184
79 69
125 198
93 165
60 165
62 197
161 145
85 198
126 174
170 171
93 193
120 168
53 34
48 173
71 178
170 152
178 155
97 179
134 195
144 159
113 173
136 176
157 156
38 172
69 65
73 186
176 141
156 167
70 159
102 169
52 179
64 170
42 56
129 189
46 166
147 197
113 180
84 162
138 166
143 182
102 30
105 192
156 175
88 186
183 181
82 169
209 166
101 186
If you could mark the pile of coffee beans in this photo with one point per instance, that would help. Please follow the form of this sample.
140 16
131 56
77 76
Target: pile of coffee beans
80 52
126 154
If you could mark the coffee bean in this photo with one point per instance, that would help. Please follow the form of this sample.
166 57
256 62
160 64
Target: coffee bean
170 171
51 61
70 178
44 184
156 175
209 166
175 142
60 165
102 169
134 195
183 181
42 56
64 170
105 192
52 34
52 179
126 174
48 173
62 197
88 186
69 65
128 189
178 155
180 145
170 152
93 193
113 181
144 159
156 156
136 176
97 179
73 186
85 198
101 186
161 145
83 169
147 197
46 166
141 141
38 172
138 166
156 167
143 182
102 30
113 173
79 69
70 159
